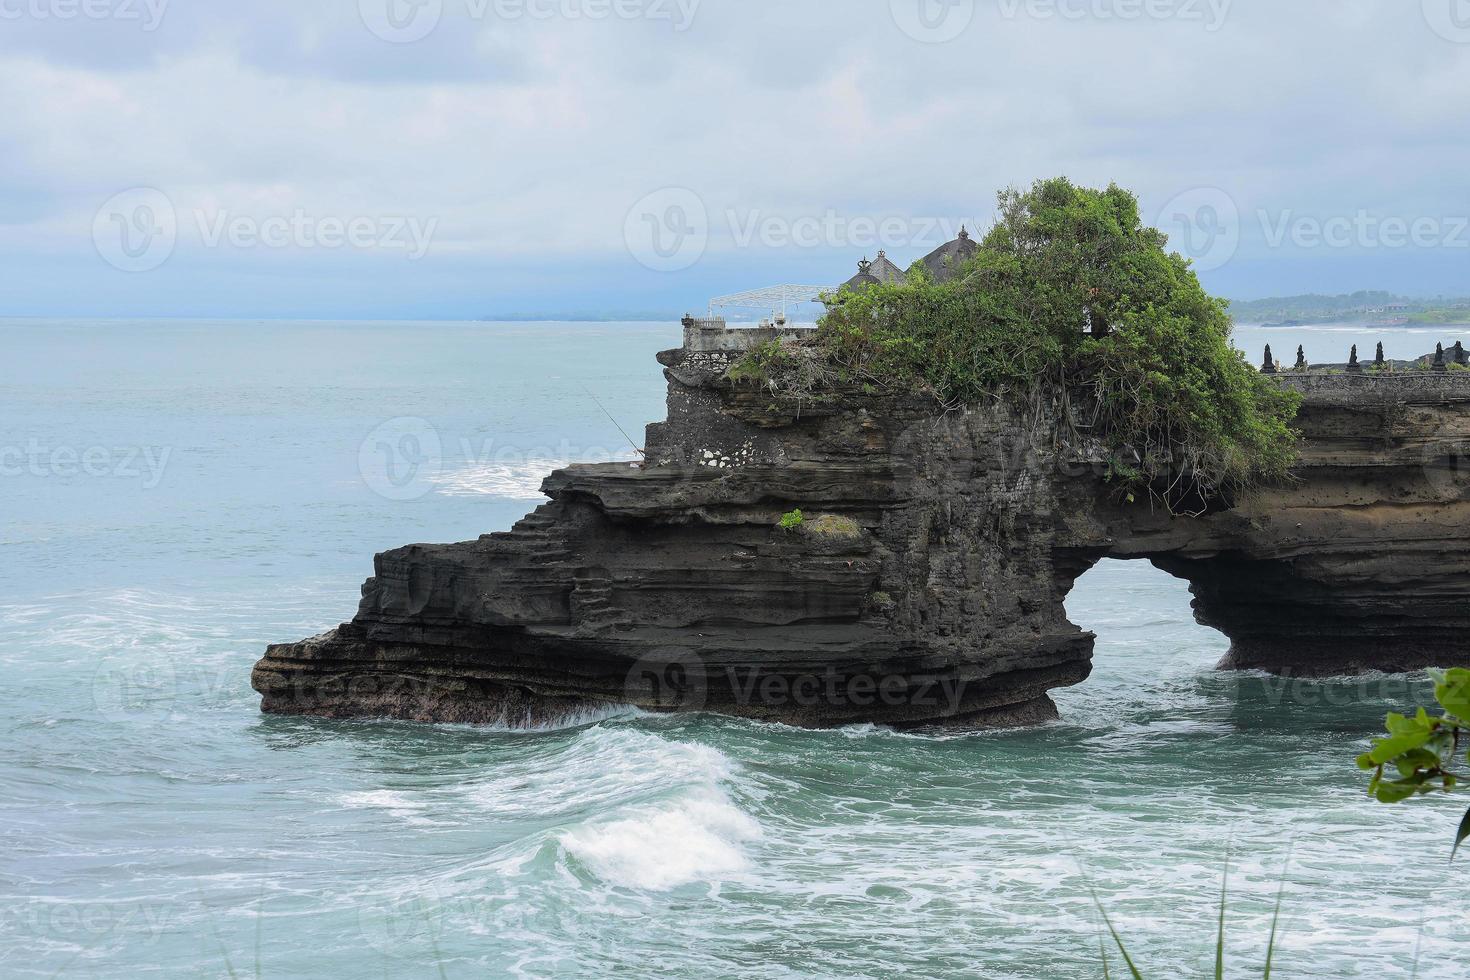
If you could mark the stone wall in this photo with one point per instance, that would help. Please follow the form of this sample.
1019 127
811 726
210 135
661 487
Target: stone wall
714 335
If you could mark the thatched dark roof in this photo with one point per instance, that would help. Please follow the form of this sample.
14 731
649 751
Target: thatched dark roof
944 260
864 276
885 270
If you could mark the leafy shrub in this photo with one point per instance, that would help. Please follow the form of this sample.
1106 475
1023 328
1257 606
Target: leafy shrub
759 366
791 521
1424 750
1179 411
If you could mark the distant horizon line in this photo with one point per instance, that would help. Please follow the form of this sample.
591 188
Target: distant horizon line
619 316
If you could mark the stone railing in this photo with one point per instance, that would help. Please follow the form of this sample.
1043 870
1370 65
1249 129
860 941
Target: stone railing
711 335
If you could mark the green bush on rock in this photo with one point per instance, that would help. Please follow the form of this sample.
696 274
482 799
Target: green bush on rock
1070 291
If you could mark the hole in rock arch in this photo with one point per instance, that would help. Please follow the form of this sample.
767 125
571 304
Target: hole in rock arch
1149 649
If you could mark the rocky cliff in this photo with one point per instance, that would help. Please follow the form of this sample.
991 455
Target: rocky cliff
925 582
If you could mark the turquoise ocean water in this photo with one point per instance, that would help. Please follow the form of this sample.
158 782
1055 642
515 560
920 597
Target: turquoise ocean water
175 495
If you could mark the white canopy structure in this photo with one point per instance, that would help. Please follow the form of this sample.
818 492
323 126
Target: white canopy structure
772 300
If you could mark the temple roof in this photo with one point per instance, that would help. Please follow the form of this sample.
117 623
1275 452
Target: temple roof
940 263
885 270
863 278
944 260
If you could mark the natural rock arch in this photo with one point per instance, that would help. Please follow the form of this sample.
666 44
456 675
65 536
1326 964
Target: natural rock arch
935 596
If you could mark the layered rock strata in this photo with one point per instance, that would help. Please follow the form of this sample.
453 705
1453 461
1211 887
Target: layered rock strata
924 583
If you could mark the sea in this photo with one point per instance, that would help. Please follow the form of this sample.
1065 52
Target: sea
176 494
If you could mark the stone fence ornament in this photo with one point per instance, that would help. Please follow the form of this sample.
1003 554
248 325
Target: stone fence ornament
1439 364
1378 361
1353 364
1301 358
1269 366
1461 355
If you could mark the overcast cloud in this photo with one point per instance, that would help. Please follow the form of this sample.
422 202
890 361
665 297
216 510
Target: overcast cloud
448 158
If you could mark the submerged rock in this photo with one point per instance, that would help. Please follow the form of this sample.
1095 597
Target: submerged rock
925 582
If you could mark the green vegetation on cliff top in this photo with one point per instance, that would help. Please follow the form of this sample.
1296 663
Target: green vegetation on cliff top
1070 291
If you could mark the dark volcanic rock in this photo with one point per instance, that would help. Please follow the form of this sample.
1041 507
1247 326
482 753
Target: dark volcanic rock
925 584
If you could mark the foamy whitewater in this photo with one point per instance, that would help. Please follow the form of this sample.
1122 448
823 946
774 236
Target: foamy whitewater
154 823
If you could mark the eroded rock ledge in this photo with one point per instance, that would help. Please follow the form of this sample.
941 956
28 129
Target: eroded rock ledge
926 583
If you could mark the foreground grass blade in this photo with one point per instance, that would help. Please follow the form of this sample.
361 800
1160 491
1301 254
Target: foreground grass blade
1276 915
1275 920
1220 933
1117 939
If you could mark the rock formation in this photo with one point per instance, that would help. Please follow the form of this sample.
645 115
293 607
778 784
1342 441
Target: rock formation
924 581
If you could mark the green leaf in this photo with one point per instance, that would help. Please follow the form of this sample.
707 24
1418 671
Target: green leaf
1400 789
1453 693
1416 759
1405 735
1461 835
1387 749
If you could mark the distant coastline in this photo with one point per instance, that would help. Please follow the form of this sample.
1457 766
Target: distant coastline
1368 308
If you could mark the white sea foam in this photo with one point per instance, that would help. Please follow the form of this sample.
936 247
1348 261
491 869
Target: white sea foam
512 480
519 480
604 768
696 837
399 804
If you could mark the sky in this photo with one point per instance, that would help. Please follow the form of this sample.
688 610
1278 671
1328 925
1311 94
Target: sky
392 159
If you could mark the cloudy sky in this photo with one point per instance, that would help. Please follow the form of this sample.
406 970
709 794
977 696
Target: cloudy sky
464 158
